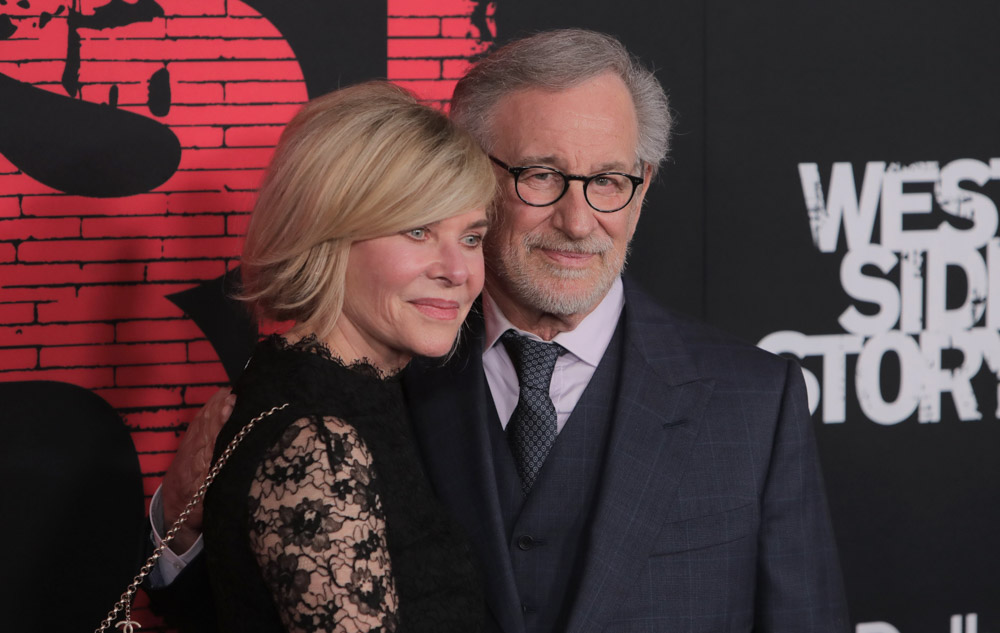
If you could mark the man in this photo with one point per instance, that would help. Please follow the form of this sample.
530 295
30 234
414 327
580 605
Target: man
647 473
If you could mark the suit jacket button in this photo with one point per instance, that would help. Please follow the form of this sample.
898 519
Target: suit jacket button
525 542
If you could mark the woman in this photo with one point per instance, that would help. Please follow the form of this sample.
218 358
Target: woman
366 235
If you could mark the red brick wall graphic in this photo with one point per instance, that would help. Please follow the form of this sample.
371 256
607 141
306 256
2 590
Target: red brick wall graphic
432 43
132 137
84 280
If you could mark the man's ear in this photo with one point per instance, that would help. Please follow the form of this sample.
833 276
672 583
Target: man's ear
647 174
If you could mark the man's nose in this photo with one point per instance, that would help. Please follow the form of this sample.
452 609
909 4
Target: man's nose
572 214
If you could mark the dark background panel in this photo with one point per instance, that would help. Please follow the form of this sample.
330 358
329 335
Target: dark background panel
914 505
337 42
669 37
851 81
71 489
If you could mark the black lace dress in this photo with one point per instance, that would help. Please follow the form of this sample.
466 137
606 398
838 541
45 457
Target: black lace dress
323 518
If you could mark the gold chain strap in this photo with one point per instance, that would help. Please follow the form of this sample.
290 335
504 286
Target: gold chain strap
125 602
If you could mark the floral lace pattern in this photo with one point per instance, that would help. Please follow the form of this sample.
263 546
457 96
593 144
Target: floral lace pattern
323 519
312 345
317 529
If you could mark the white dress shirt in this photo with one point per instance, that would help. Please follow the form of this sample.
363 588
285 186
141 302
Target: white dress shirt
169 564
585 346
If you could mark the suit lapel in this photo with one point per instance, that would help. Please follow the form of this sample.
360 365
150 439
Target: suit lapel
657 419
448 408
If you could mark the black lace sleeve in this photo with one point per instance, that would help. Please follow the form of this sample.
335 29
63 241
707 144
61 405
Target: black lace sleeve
318 531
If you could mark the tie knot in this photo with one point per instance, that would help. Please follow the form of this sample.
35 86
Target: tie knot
534 360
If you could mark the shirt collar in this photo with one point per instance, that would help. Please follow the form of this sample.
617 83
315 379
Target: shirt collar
588 341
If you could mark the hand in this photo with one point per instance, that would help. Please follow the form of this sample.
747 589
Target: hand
190 466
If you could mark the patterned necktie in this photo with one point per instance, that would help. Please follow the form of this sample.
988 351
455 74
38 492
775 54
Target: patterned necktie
532 428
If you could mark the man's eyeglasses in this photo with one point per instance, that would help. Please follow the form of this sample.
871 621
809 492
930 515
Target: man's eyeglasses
539 186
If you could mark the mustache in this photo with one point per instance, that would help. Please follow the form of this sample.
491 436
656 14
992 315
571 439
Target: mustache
590 245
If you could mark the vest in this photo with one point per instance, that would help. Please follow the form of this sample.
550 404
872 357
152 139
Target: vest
547 529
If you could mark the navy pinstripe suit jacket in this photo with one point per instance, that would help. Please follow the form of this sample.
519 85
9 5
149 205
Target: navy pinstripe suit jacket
711 513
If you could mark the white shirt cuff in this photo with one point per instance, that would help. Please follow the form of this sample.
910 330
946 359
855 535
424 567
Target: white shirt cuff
170 564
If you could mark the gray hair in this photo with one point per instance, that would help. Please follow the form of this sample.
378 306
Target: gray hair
557 60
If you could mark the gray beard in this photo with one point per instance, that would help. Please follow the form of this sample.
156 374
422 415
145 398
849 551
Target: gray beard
540 287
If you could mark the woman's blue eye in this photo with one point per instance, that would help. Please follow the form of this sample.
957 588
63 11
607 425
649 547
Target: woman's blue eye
473 240
417 234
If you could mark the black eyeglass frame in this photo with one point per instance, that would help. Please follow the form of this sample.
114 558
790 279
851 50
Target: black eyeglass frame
567 178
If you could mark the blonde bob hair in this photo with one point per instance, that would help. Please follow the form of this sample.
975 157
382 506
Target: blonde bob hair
361 162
